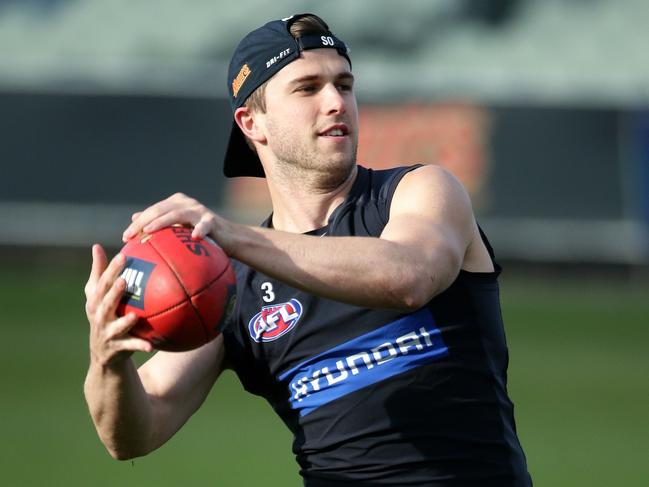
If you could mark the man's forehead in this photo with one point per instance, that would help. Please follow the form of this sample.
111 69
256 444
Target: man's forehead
314 63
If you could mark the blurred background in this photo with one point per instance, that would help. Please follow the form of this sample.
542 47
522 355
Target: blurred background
541 108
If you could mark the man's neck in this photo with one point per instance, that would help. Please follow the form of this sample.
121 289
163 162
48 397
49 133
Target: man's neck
302 203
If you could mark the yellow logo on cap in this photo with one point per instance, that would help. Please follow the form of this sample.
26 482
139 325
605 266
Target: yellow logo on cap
241 77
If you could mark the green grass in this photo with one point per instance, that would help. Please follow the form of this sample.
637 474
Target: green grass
47 435
578 377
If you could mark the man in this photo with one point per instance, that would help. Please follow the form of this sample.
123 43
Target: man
367 314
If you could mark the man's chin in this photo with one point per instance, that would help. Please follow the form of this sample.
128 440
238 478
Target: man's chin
336 171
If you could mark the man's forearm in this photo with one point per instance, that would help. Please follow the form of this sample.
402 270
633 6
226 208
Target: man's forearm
364 271
120 408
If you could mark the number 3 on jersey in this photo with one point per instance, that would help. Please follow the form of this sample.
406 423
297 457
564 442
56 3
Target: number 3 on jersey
267 287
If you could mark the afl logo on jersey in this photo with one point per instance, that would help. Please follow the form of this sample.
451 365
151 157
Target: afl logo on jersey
275 321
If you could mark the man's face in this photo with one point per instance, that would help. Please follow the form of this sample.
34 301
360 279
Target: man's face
311 119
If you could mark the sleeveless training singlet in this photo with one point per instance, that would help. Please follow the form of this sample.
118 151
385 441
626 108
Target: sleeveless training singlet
379 396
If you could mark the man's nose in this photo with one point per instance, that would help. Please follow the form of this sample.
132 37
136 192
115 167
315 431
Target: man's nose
333 100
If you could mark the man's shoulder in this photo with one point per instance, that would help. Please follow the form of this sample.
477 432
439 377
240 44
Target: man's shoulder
432 183
381 183
414 175
386 173
416 182
430 174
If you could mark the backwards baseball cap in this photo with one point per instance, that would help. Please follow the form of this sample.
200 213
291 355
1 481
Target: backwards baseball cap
257 58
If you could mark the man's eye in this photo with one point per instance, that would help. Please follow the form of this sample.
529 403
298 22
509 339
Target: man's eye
345 87
306 89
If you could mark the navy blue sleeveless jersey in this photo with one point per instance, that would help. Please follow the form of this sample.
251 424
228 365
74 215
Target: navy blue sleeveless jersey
379 396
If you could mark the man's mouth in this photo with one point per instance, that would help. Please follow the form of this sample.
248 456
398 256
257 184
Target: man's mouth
338 130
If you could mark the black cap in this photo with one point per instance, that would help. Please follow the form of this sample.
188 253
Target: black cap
260 55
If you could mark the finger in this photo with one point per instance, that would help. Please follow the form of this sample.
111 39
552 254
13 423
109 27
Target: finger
124 347
134 227
168 219
145 217
178 209
122 325
119 332
204 226
140 219
108 308
131 231
109 276
134 344
99 263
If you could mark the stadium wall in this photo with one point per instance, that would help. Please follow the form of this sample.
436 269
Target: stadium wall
553 183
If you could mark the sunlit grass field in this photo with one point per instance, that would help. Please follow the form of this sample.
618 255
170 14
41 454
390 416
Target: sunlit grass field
579 376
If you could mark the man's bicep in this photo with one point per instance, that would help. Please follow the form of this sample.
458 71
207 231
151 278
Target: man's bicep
431 217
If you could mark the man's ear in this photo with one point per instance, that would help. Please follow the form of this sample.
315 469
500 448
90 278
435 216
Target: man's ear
247 121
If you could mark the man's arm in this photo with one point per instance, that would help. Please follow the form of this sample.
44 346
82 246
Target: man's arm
136 411
419 253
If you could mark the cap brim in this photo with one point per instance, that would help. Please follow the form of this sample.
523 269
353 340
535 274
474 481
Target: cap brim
240 159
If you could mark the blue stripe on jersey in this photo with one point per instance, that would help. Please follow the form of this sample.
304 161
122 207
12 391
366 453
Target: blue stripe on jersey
405 344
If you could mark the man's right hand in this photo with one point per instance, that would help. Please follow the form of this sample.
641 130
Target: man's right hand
110 341
137 410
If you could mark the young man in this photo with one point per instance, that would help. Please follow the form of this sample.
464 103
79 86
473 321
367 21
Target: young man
368 311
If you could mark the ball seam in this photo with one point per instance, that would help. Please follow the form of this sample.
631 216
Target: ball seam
187 295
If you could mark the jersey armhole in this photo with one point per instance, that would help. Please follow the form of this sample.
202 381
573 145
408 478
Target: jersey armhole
483 236
390 188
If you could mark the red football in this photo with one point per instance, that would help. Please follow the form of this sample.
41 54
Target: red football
181 288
